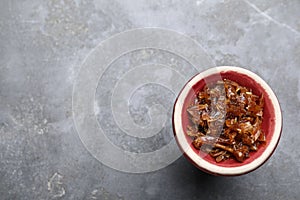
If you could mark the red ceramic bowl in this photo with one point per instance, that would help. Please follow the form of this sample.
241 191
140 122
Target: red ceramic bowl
271 124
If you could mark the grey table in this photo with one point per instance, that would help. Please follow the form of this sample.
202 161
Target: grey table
42 47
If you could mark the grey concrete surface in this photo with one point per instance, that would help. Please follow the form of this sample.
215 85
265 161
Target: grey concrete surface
42 46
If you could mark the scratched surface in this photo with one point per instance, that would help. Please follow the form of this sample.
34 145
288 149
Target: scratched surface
43 43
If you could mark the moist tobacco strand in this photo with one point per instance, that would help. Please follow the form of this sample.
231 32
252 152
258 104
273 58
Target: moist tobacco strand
227 117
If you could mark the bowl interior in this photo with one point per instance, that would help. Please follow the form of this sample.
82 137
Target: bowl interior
268 122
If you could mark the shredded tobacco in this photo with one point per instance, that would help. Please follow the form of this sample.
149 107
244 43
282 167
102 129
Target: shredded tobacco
225 119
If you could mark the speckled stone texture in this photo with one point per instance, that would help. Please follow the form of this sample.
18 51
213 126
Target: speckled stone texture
42 45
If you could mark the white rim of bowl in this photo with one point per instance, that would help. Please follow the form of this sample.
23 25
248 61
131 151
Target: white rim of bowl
205 165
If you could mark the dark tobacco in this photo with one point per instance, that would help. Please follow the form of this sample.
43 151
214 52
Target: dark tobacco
225 119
